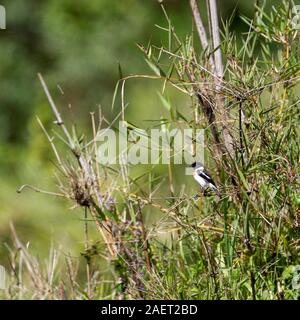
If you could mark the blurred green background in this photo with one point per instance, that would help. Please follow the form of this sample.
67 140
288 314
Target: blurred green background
77 45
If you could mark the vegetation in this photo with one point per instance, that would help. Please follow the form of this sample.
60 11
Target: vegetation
145 235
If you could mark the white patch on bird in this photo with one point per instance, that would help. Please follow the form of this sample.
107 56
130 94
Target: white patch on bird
203 183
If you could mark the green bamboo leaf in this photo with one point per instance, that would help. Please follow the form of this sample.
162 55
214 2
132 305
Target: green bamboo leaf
168 106
242 178
155 68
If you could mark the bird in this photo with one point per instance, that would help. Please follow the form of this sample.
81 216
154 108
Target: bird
204 178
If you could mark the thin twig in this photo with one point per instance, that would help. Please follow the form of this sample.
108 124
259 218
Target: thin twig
219 68
201 30
56 113
27 186
50 139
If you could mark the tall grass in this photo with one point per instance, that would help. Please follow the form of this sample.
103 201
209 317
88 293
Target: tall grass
243 245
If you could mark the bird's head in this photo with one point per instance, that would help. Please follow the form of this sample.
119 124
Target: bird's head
197 165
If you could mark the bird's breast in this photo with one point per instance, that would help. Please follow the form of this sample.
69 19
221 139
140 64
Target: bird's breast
201 181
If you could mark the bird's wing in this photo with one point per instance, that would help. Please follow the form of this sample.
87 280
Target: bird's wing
205 175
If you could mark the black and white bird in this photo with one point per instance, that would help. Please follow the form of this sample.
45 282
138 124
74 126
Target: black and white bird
203 177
